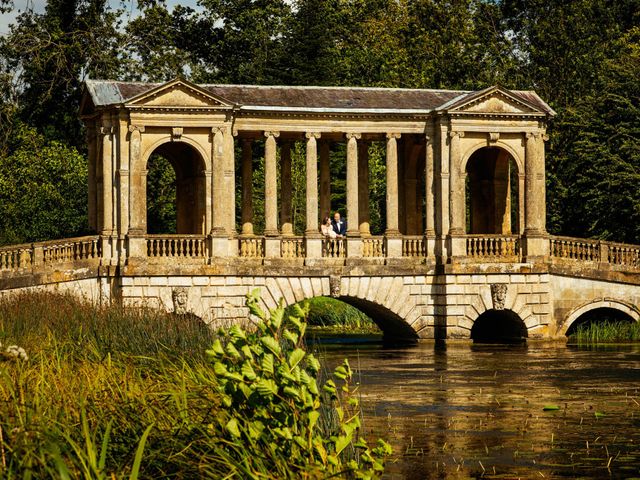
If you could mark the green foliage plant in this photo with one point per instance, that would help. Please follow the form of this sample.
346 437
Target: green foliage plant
269 386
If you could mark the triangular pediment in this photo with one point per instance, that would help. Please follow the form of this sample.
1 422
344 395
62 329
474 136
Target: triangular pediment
495 100
178 94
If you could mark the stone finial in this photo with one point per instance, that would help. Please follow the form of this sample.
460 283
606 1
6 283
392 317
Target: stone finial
498 295
180 297
334 285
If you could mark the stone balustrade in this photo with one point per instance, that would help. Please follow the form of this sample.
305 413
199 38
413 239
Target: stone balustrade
292 247
413 246
70 250
334 247
373 247
180 246
494 246
597 251
251 247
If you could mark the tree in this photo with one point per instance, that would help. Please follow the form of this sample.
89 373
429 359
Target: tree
597 144
43 189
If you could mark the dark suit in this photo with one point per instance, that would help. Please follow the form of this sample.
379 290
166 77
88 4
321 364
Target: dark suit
340 229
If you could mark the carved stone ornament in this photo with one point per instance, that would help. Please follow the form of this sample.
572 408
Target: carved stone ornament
494 137
180 297
498 295
176 133
334 285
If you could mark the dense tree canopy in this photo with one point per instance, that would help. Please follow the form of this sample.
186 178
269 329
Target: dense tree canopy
581 56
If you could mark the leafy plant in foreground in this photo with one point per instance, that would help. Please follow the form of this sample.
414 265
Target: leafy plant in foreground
272 421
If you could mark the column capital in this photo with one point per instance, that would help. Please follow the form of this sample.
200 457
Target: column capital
221 129
136 128
106 130
428 138
315 135
268 134
455 133
350 135
534 135
391 135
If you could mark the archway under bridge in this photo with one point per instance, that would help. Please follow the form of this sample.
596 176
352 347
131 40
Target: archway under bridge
499 326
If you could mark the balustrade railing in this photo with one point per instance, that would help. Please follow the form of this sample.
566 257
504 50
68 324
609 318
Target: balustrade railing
292 247
621 254
413 246
251 247
493 246
373 247
15 257
176 246
334 247
70 250
575 248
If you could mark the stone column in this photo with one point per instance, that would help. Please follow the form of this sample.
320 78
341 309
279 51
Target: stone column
123 184
217 155
392 229
429 232
353 222
457 242
313 240
393 238
363 188
536 244
272 241
137 195
230 183
285 190
325 180
312 184
91 173
208 175
247 187
106 224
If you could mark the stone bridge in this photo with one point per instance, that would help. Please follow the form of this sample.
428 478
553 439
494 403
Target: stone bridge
464 252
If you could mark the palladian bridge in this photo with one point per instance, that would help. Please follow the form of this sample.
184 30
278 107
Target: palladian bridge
464 252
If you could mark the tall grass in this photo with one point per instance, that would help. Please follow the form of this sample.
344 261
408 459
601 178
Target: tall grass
606 332
108 393
337 315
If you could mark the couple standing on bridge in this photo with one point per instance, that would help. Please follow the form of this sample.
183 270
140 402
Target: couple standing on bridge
336 228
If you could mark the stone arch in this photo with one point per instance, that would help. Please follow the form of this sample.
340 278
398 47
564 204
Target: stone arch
499 144
499 326
514 302
493 191
393 309
189 165
204 154
626 308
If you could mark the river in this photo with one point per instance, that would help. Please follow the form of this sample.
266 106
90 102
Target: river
467 411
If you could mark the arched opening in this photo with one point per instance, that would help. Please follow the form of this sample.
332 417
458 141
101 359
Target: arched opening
499 326
492 192
361 315
599 317
175 190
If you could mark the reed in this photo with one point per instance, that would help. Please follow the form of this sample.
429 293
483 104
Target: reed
107 393
606 332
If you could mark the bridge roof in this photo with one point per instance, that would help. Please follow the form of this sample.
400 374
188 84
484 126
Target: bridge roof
310 98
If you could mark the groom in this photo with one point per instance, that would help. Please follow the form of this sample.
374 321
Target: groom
339 225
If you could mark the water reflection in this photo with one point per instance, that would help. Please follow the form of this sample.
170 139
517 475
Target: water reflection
471 411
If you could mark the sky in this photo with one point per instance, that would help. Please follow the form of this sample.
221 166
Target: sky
38 5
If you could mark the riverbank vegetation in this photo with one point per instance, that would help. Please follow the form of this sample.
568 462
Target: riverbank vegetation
606 332
103 393
332 315
582 57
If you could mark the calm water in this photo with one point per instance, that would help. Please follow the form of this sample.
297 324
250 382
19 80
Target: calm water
464 411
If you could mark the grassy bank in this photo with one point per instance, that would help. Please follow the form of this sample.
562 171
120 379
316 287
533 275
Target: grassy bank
606 332
113 394
334 315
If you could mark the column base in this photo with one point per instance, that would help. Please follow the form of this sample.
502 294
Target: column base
136 245
456 247
354 247
272 247
313 246
535 247
394 246
219 246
